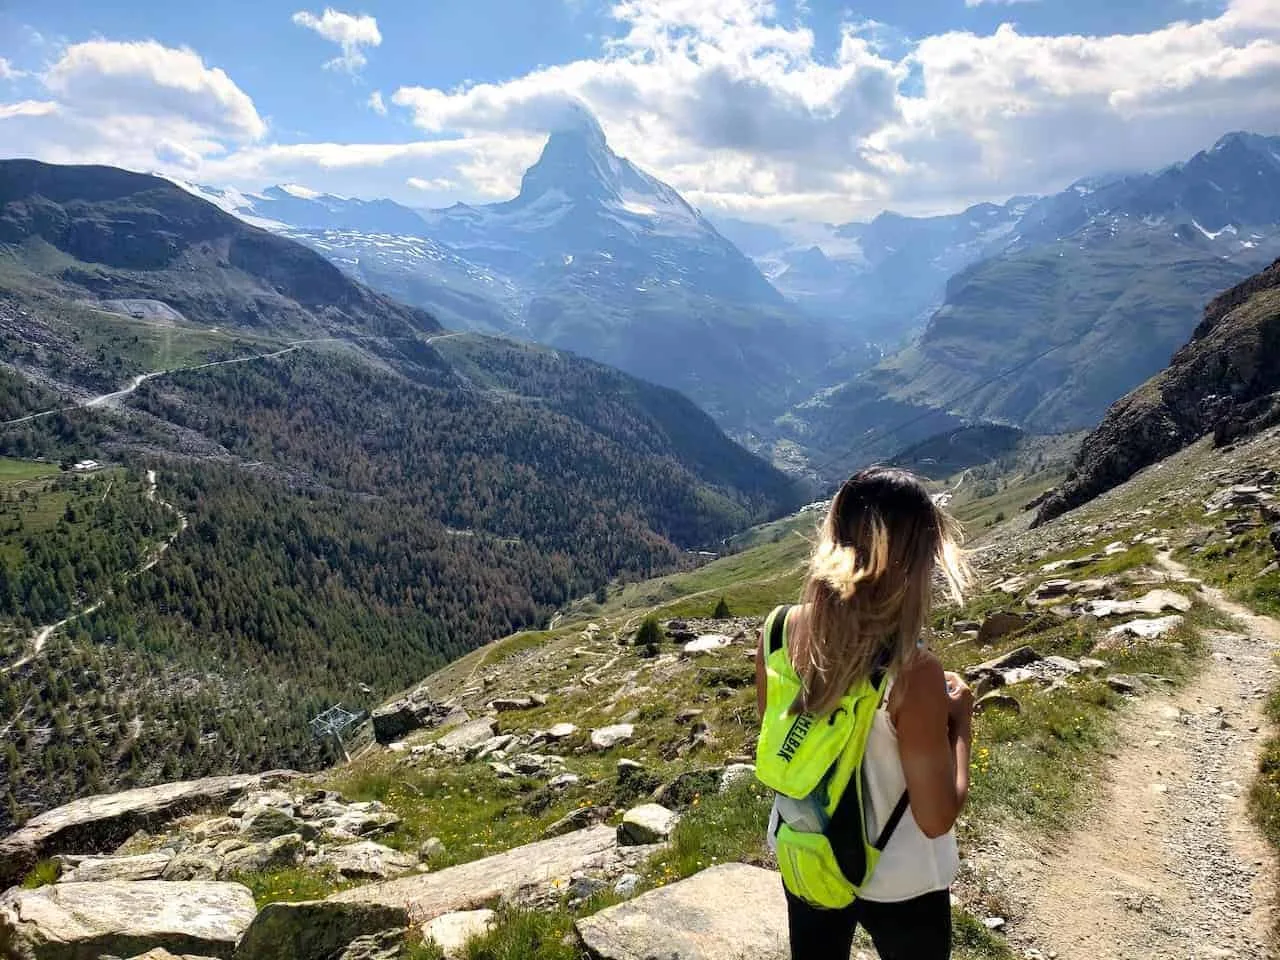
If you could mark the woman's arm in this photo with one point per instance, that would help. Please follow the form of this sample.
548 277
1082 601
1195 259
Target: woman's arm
934 735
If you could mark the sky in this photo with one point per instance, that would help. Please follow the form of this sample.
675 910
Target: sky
824 110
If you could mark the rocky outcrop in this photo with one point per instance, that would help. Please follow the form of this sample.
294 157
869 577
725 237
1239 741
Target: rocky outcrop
723 913
101 824
414 712
315 930
75 921
367 860
1226 381
471 886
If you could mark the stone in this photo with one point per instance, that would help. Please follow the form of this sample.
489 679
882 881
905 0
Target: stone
268 822
193 865
1021 657
578 819
274 854
217 827
366 860
1123 683
997 701
504 771
315 929
735 774
537 764
387 945
1140 630
101 824
687 716
473 885
646 824
1115 549
144 866
471 734
723 913
1001 624
76 921
584 886
627 885
687 787
510 704
493 746
451 932
394 720
562 731
431 848
1092 588
354 823
706 643
564 781
1092 665
261 799
160 953
1157 601
1063 664
606 738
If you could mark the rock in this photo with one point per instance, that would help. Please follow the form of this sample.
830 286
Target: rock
1115 549
262 799
724 913
997 701
193 865
503 771
1073 564
687 716
367 860
354 823
393 721
101 824
564 781
1117 637
646 824
688 786
76 921
606 738
470 886
706 644
471 734
274 854
387 945
316 929
578 819
1092 588
537 764
1157 601
160 953
144 866
1123 683
431 848
1021 657
268 822
452 931
217 827
627 885
735 774
525 702
1092 665
562 731
1052 588
492 746
1001 624
1063 665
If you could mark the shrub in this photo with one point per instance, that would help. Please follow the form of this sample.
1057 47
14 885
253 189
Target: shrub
722 611
649 633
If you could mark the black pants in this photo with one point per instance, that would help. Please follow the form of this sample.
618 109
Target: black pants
918 929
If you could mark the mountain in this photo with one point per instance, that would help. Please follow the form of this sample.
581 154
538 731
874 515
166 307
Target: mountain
595 256
1097 288
289 507
1225 381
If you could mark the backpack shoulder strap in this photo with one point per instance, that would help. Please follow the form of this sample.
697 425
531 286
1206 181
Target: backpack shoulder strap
776 630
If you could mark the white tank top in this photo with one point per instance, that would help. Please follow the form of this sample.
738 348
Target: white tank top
911 864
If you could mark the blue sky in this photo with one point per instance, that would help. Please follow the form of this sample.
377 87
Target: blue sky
799 108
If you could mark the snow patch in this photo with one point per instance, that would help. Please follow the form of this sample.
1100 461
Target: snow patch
301 192
1229 230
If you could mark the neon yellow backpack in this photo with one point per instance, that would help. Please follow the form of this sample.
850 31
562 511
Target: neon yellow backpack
811 762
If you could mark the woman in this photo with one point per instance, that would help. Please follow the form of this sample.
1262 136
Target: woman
865 605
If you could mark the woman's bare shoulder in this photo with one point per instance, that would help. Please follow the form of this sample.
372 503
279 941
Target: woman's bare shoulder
921 677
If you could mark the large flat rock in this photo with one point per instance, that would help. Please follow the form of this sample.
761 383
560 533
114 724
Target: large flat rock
724 913
100 824
83 921
470 886
315 930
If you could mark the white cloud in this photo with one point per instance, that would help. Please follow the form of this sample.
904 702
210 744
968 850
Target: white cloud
350 32
8 71
27 108
438 185
377 104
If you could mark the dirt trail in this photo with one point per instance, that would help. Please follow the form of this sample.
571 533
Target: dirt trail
1169 865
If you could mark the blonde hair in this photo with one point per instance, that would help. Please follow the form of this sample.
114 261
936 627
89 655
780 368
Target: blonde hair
870 583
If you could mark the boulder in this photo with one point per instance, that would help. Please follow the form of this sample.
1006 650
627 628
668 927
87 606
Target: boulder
1119 637
564 781
418 710
1115 549
562 731
101 824
275 854
1157 601
354 822
259 799
193 865
578 819
525 702
537 764
1123 683
1021 657
1001 624
706 644
315 930
431 848
160 953
493 745
646 824
471 886
688 786
217 827
366 860
724 913
144 866
387 945
470 734
735 774
265 823
606 738
451 932
76 921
